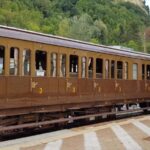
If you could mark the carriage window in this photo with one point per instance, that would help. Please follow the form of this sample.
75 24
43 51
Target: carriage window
90 67
99 68
14 57
53 64
119 69
73 66
62 65
107 69
112 69
148 72
40 59
26 62
126 70
2 58
83 67
135 71
143 71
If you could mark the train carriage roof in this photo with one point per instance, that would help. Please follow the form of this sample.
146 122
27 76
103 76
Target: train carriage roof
15 33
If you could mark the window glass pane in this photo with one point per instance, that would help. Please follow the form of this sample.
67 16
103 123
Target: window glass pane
41 66
148 72
2 58
26 62
112 69
126 70
107 69
73 66
53 64
99 68
90 67
119 69
83 67
14 57
62 65
135 71
143 71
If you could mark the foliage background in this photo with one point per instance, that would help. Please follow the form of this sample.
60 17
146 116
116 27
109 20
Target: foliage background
108 22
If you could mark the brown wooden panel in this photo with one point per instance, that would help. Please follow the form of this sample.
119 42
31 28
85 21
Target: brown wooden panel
146 89
72 86
62 87
18 86
85 86
44 91
53 86
16 92
68 91
2 86
45 86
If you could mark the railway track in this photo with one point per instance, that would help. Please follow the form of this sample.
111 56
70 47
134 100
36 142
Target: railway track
127 133
24 130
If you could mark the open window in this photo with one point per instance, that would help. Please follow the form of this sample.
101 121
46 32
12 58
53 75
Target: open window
90 67
148 72
41 65
135 71
73 66
62 65
126 70
119 69
26 62
2 59
112 69
14 64
83 67
143 71
107 69
99 68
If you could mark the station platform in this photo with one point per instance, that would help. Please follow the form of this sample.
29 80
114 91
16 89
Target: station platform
124 134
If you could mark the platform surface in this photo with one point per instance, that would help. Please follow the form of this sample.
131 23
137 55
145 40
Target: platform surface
125 134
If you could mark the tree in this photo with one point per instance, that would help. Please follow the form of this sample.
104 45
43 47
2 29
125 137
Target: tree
99 21
101 32
133 44
64 28
81 28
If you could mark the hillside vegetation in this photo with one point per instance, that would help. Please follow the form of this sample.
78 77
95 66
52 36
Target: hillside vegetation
100 21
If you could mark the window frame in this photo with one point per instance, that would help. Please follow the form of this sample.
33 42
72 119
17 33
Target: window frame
41 69
85 68
3 61
55 66
119 71
107 68
90 71
29 73
135 76
126 71
147 71
99 75
143 71
18 61
74 67
113 69
60 65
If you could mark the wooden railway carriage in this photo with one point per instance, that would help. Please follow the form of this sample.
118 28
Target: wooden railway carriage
45 77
